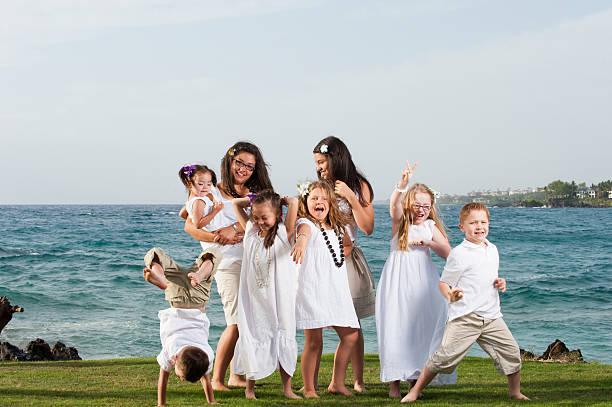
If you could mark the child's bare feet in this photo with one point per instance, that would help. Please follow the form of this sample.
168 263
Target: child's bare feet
249 394
394 390
519 396
359 387
155 276
311 394
201 275
342 390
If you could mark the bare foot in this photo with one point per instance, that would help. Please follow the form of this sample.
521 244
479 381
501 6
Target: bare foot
237 381
519 396
291 395
201 275
311 394
394 390
339 390
410 397
154 278
249 394
359 387
219 386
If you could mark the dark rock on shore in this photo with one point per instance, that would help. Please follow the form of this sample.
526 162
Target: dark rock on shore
12 352
556 352
38 350
6 311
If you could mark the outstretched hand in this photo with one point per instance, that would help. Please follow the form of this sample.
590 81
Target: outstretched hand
406 175
500 284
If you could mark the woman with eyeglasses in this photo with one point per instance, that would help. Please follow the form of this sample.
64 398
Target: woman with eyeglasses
335 164
410 312
243 171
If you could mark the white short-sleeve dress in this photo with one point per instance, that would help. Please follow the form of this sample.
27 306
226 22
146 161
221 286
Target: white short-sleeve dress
323 295
266 307
410 311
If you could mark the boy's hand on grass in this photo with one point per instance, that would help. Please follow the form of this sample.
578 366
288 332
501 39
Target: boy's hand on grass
500 284
455 295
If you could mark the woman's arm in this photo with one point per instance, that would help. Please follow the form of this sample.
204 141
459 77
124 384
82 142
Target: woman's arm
238 204
364 215
183 212
291 216
199 234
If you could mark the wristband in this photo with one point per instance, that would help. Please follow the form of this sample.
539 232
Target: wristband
235 227
401 191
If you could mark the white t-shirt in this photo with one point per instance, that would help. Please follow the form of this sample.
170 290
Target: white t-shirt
181 327
473 269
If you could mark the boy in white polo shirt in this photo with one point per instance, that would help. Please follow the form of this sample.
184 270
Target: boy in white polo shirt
470 283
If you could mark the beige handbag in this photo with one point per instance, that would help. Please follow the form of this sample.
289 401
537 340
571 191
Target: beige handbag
361 283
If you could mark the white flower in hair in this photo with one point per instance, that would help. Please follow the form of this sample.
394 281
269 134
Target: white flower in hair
323 148
303 189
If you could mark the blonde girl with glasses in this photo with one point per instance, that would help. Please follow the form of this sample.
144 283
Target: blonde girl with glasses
410 312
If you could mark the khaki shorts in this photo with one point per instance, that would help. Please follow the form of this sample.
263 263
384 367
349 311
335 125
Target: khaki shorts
228 282
180 293
361 284
492 335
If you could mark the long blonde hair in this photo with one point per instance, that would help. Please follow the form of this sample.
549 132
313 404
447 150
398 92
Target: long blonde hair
407 212
336 218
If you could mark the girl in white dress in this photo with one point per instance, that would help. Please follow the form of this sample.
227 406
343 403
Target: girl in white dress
266 297
202 204
323 296
410 312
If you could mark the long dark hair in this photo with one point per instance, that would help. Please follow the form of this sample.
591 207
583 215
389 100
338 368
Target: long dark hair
341 166
273 199
259 179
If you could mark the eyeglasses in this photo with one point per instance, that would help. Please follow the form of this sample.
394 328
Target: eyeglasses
424 207
242 164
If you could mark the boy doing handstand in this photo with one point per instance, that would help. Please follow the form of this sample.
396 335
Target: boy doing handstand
183 328
470 282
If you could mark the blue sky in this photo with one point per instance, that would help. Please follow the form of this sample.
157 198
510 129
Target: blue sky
102 102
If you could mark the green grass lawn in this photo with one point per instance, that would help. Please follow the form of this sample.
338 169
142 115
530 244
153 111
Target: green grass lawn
132 382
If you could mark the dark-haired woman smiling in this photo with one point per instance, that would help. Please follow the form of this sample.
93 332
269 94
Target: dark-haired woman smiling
243 171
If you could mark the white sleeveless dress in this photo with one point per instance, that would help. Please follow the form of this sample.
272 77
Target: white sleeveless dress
266 307
410 311
323 295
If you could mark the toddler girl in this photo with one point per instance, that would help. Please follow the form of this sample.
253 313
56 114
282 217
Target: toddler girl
410 312
323 295
266 297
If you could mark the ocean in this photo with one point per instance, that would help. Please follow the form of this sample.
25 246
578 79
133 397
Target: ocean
77 271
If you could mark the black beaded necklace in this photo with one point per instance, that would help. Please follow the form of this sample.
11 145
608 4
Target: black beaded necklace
329 246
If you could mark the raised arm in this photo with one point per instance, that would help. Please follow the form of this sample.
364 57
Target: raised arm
291 216
395 201
364 215
162 383
238 204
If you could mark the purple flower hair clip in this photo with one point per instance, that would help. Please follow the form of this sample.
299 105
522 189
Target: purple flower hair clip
251 196
188 170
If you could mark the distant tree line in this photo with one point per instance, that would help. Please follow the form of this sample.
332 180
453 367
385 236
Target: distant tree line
570 190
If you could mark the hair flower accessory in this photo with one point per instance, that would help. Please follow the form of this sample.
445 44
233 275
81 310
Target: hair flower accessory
188 170
303 189
323 148
251 196
231 151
